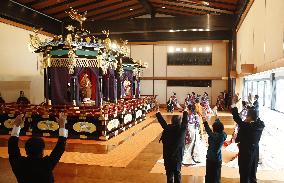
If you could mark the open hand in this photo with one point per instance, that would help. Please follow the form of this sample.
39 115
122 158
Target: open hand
61 120
19 120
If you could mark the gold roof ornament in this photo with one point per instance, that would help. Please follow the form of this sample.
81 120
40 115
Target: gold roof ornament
81 18
35 41
107 40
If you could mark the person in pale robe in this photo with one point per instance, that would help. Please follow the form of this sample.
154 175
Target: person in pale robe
86 87
127 87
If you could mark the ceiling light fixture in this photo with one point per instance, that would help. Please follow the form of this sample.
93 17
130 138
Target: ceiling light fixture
184 49
163 7
130 9
200 29
177 49
207 29
171 30
194 49
194 29
200 49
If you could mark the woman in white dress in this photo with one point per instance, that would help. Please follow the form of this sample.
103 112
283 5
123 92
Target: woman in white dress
195 148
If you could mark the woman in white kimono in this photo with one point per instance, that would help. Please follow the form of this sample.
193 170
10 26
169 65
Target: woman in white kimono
195 148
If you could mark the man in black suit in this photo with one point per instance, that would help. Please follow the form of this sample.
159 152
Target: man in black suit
256 104
173 138
35 168
249 134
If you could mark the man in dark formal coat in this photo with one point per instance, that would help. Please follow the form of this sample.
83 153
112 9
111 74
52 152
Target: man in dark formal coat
250 131
173 138
23 99
35 168
256 104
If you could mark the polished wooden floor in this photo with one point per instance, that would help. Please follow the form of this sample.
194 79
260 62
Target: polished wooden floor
138 170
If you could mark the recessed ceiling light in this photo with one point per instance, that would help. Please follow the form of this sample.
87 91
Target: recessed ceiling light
194 49
200 49
207 29
207 49
171 30
184 49
200 29
178 30
163 7
194 29
130 9
184 30
177 49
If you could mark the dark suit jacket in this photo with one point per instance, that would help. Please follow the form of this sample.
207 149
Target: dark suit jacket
256 106
249 133
34 170
173 138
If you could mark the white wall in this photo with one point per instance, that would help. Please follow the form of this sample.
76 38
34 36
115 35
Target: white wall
261 35
18 66
156 56
260 38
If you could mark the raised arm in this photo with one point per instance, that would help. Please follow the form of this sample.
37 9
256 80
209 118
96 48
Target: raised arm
236 115
161 120
13 148
61 143
207 128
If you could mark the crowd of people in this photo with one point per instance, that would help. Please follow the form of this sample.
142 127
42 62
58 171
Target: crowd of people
182 143
181 139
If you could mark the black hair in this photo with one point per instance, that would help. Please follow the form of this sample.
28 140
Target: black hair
244 103
252 113
197 100
218 127
176 120
256 96
34 147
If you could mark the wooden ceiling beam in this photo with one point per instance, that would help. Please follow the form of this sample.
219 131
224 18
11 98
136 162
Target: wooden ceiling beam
46 3
111 13
213 4
63 7
131 14
175 13
111 8
195 7
181 9
148 7
25 1
91 7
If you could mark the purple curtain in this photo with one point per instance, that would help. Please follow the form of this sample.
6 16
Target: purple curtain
59 79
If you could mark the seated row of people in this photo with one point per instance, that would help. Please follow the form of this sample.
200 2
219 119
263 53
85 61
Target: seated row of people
21 100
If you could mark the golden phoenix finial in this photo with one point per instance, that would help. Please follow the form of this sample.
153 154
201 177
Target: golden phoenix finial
73 14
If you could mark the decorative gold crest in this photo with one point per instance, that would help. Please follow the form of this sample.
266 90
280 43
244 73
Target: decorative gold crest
84 127
48 125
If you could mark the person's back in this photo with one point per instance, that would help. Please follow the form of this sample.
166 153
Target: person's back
250 131
215 143
173 138
35 168
216 140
